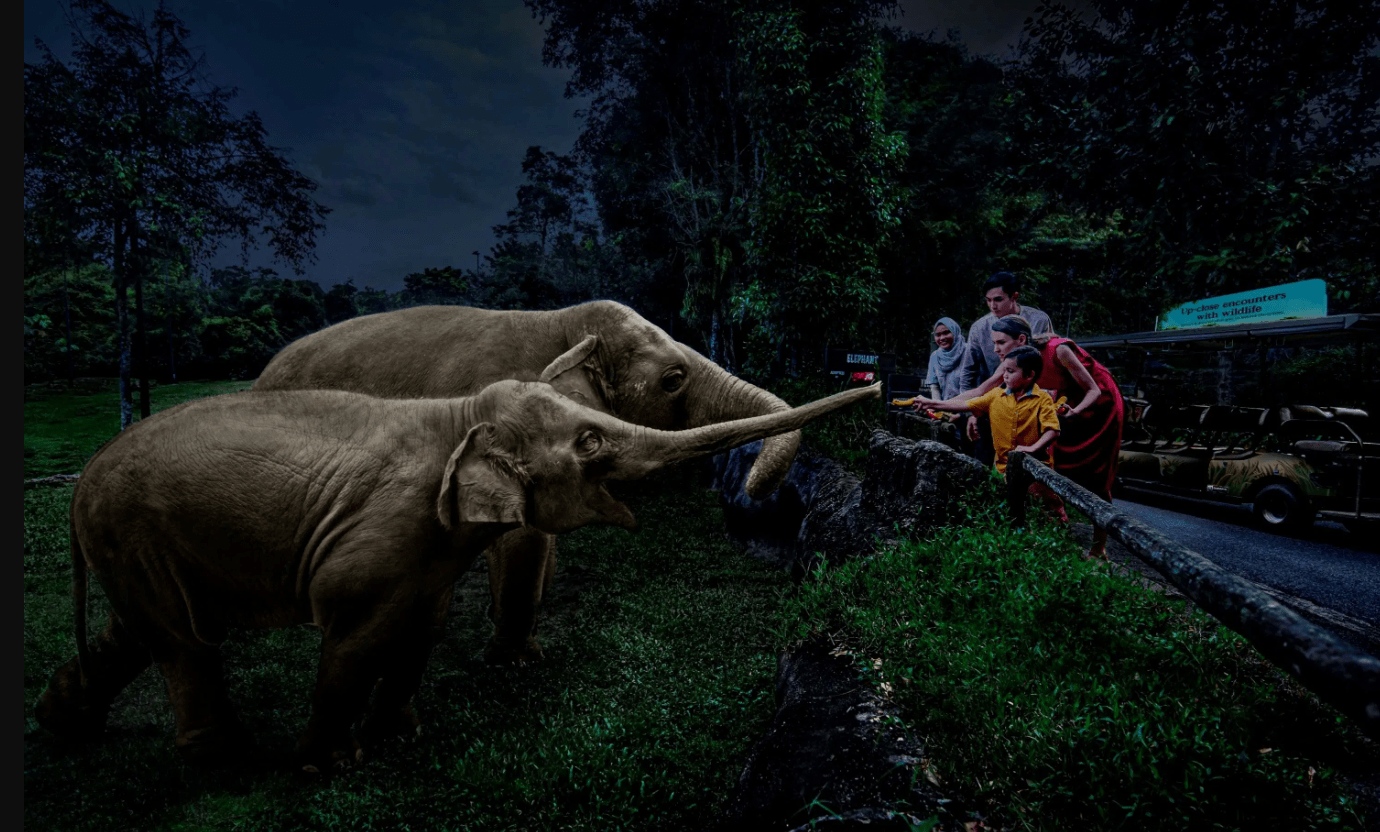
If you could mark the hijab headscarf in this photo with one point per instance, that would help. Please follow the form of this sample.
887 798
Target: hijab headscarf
945 364
950 359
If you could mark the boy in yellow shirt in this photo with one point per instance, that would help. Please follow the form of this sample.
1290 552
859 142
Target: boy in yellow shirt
1023 418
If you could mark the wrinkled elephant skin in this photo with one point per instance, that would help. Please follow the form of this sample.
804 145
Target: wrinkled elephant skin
601 354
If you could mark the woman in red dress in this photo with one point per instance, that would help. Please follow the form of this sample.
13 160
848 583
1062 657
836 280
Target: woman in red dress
1091 420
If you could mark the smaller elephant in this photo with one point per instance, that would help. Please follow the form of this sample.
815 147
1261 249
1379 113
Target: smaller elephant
350 513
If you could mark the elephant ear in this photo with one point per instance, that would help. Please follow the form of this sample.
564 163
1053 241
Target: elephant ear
570 359
585 385
482 483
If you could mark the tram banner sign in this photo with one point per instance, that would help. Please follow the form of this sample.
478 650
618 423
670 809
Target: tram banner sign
1304 299
858 364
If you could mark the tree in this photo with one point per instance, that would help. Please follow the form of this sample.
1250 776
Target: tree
432 286
340 302
544 256
692 163
827 197
1237 141
79 335
130 151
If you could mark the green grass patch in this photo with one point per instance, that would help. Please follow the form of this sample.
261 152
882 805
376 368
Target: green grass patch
63 428
1060 696
659 677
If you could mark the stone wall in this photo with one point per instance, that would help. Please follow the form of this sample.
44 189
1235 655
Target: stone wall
823 511
833 741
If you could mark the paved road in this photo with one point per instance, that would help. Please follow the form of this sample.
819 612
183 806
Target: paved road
1327 565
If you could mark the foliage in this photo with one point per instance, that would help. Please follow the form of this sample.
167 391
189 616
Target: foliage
130 157
699 171
58 299
547 254
826 195
1236 141
1063 696
433 286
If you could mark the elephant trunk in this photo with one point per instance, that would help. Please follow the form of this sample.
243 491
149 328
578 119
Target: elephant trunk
651 449
729 397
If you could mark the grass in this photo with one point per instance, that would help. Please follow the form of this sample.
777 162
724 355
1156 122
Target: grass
659 676
1059 696
63 429
1051 693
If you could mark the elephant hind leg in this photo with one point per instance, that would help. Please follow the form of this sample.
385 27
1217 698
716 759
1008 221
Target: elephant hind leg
71 711
522 564
208 731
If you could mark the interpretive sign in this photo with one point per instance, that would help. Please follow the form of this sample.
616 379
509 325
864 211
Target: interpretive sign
858 364
1304 299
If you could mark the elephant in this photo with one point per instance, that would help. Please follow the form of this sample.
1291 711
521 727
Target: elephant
602 354
345 512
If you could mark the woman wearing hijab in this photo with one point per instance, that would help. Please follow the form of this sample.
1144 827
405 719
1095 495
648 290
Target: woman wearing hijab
1007 334
944 379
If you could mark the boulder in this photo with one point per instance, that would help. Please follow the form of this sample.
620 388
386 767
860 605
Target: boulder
823 511
907 488
769 528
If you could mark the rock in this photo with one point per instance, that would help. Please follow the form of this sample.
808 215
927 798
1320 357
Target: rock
832 750
915 426
769 528
822 510
907 488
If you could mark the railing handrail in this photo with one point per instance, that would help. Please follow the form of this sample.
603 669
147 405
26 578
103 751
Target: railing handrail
1340 675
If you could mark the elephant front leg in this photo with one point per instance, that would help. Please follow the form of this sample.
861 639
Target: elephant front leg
522 564
350 666
391 715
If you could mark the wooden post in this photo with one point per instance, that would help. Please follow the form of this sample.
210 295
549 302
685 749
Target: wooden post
1016 485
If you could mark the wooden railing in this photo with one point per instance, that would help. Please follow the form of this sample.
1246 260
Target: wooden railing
1338 673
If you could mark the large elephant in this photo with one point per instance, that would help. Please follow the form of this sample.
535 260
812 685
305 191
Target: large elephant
343 511
602 354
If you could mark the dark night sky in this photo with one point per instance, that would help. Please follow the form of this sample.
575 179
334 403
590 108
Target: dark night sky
413 116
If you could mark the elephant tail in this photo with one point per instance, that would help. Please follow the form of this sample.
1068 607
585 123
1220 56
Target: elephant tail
79 586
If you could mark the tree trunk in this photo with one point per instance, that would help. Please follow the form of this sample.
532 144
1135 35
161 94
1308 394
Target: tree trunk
141 339
122 322
714 337
172 344
67 323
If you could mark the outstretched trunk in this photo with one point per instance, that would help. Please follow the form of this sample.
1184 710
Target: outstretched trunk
648 449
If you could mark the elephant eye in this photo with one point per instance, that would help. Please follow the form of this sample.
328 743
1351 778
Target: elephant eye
671 382
589 442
